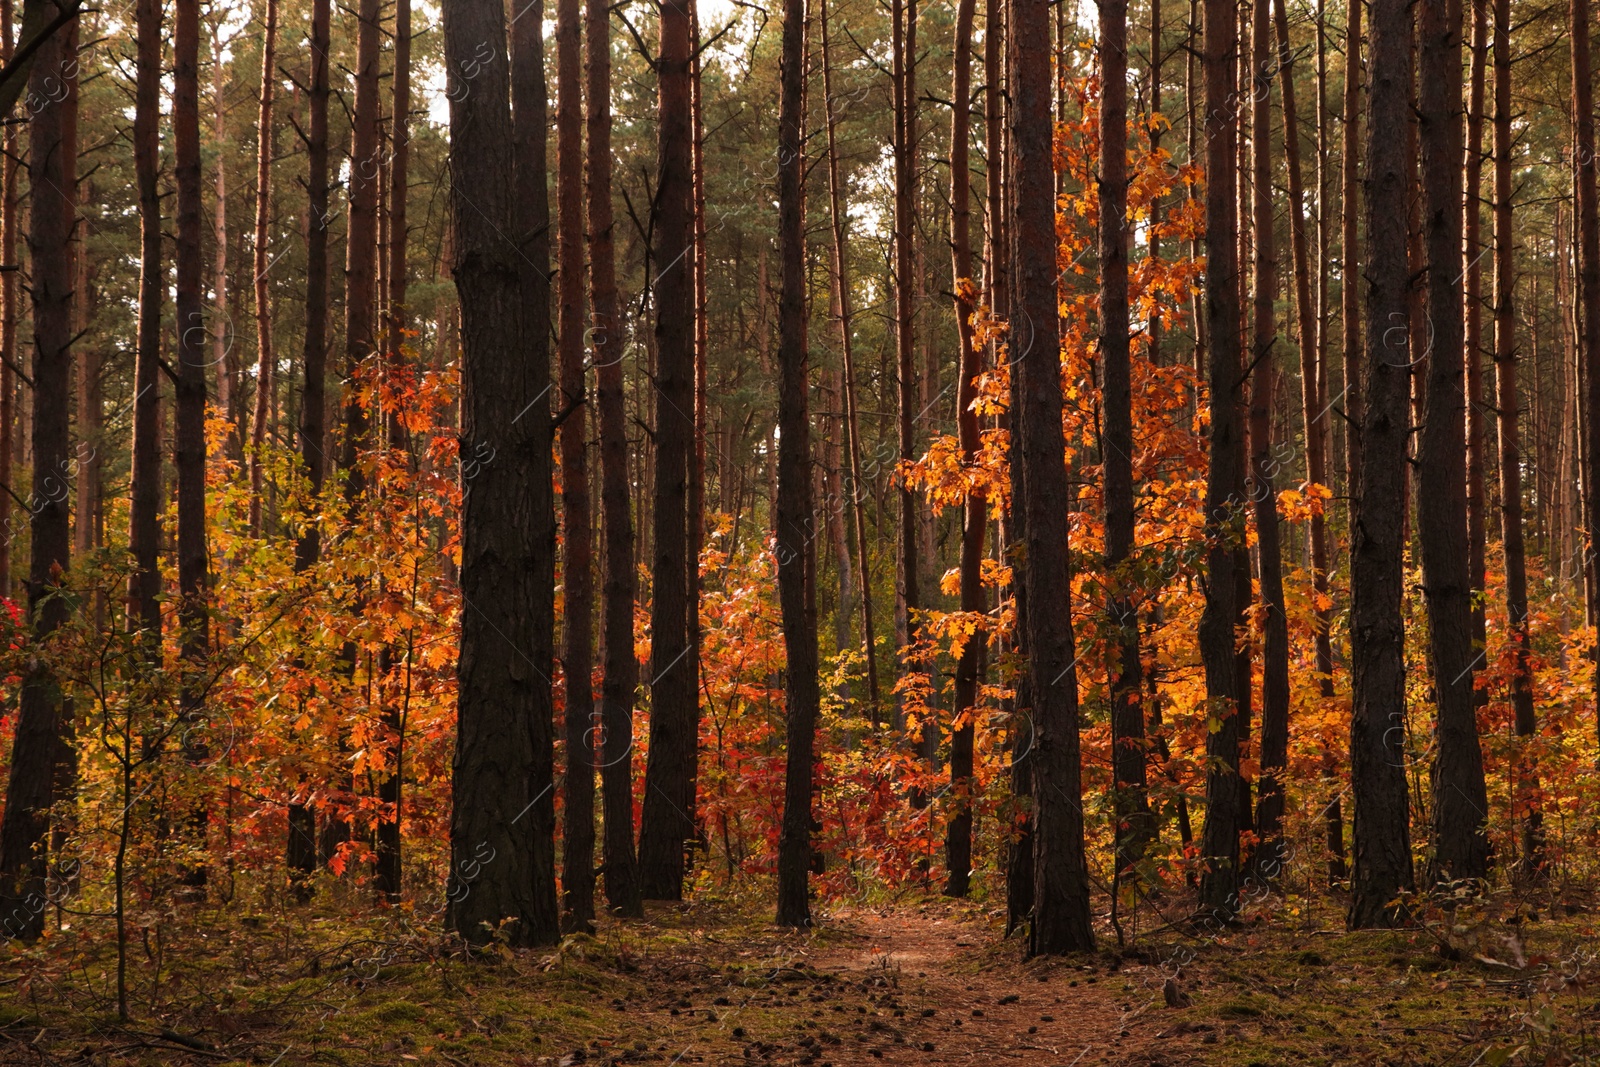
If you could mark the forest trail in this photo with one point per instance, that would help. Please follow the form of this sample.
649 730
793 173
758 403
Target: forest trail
928 986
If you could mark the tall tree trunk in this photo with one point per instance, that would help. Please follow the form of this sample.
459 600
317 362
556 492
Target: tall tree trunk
9 205
1271 855
1313 392
1525 781
975 516
1061 921
794 484
266 143
189 407
1586 175
668 828
144 530
221 332
615 733
847 349
1225 690
391 789
503 819
577 652
1476 413
1350 254
1460 801
697 453
301 845
904 46
1129 801
1381 831
88 450
41 718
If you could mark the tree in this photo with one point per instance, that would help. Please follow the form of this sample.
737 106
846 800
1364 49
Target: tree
975 516
144 531
1526 803
577 869
1271 856
301 845
1350 255
1061 878
1225 691
1586 176
794 518
1381 828
502 822
1473 241
621 669
41 718
1460 802
266 144
667 825
903 93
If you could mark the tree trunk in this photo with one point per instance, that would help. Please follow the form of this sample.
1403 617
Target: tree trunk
1350 254
577 652
668 825
904 46
1061 920
9 206
391 788
41 718
1586 175
1525 786
615 733
503 819
1381 830
1460 802
697 453
794 484
221 330
1225 690
1314 404
969 669
1473 258
265 365
301 846
1129 801
1271 855
847 349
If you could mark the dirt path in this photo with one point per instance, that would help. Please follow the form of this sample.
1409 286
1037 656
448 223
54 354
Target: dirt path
927 987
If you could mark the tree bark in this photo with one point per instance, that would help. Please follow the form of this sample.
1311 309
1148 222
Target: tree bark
1061 921
1381 830
1586 175
794 485
1271 855
41 718
265 365
1225 690
9 210
615 733
503 819
904 74
1525 787
1350 254
577 653
667 829
301 845
975 515
1477 415
1130 803
1460 801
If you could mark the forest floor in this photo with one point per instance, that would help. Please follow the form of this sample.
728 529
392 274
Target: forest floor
927 983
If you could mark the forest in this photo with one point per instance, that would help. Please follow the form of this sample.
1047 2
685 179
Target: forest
801 532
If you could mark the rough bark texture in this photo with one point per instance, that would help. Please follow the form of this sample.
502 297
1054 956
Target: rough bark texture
904 93
1525 784
144 531
1270 856
1477 415
1586 175
667 829
266 145
969 668
1129 800
503 819
1381 827
1061 921
1224 494
614 736
794 484
1350 253
577 652
9 205
1460 802
31 787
